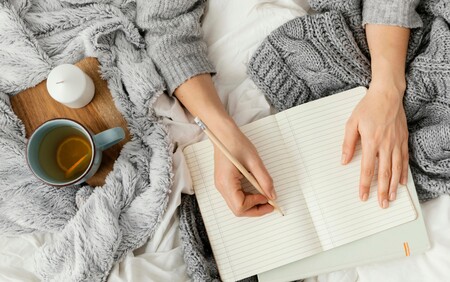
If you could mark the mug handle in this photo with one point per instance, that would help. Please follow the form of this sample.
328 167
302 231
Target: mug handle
109 137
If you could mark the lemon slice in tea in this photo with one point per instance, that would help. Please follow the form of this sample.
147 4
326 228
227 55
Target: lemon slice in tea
71 150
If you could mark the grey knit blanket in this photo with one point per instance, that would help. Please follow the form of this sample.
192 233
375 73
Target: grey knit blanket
317 55
93 228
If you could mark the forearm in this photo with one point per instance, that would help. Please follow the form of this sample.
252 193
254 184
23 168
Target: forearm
388 47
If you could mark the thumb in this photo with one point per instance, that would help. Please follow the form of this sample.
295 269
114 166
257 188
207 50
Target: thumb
261 175
350 138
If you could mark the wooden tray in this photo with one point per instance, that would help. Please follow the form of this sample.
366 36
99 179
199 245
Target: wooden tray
34 106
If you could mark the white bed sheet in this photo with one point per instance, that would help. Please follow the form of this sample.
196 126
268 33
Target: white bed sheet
233 30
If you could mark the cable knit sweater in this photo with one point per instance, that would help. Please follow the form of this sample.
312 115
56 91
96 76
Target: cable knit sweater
173 36
391 12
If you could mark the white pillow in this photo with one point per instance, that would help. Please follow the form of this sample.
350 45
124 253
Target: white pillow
233 30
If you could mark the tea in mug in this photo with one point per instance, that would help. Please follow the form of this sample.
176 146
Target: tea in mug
65 153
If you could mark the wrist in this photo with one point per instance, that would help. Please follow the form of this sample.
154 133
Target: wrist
389 88
389 96
388 74
222 125
229 134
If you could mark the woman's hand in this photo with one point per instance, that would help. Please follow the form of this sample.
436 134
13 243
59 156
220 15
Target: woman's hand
228 178
379 119
199 96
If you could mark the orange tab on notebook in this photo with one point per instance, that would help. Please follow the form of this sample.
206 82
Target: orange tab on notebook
406 247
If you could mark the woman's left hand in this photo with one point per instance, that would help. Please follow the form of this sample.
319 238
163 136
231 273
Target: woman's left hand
379 119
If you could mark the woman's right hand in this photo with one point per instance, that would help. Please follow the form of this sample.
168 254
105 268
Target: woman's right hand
228 178
199 96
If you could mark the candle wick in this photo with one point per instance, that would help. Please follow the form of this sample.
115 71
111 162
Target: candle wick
60 82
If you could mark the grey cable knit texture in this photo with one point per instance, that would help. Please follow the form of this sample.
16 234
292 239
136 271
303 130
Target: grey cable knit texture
199 256
95 228
318 55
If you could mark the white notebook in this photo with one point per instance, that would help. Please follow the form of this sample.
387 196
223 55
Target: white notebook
301 148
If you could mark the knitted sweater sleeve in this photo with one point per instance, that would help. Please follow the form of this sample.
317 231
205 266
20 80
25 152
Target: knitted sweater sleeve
173 37
391 12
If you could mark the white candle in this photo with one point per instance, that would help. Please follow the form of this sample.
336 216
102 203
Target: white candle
70 86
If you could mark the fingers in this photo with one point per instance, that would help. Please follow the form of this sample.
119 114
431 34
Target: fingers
350 138
243 204
367 169
397 165
228 182
384 178
249 204
405 161
392 170
258 210
261 174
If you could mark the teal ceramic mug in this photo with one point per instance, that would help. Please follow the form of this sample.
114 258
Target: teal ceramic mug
63 152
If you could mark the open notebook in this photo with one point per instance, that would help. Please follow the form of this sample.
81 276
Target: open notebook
301 148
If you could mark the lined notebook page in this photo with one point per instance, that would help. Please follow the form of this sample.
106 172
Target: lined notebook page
317 129
301 149
246 246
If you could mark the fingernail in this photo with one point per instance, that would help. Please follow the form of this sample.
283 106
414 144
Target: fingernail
273 195
364 197
404 180
392 197
344 159
385 204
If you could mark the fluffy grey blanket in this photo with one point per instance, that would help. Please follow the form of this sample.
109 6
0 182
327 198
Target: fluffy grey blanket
325 53
93 228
